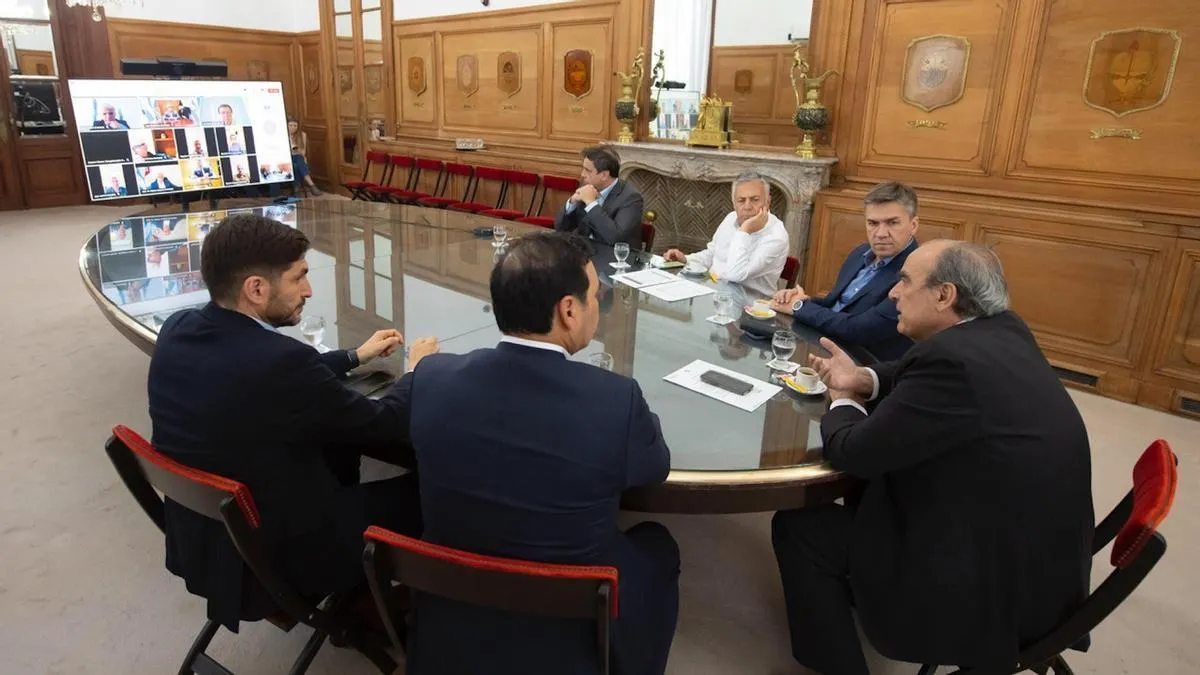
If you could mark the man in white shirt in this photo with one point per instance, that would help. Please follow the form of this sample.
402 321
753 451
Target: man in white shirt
750 246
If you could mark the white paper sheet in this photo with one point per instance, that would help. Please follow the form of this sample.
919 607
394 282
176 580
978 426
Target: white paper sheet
688 377
644 278
679 289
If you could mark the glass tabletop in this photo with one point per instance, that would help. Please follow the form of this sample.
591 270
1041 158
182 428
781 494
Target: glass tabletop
426 272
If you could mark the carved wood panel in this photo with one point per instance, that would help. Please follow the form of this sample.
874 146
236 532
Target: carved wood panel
1072 128
314 84
935 83
51 174
757 80
471 93
1179 344
584 117
416 85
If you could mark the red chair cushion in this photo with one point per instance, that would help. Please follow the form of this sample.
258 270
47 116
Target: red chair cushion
142 448
470 207
1154 479
791 267
359 184
376 156
507 214
647 236
541 221
560 184
491 563
521 177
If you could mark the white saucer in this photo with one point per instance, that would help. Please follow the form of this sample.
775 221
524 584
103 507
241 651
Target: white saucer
816 391
767 313
783 366
720 320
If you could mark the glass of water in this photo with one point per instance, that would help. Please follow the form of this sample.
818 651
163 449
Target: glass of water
723 305
621 251
784 345
312 327
602 360
499 236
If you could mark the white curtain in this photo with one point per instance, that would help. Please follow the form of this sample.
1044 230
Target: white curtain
683 28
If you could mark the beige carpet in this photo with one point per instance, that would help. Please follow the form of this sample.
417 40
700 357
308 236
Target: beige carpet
83 590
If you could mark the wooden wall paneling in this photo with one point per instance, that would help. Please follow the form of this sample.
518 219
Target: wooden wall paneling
487 107
52 172
761 63
934 84
586 118
87 53
1059 112
1178 346
417 85
836 35
312 77
35 62
133 38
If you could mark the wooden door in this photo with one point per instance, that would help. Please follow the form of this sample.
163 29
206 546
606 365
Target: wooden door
10 180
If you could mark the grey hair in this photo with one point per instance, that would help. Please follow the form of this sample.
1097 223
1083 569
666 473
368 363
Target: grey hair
750 177
978 276
893 192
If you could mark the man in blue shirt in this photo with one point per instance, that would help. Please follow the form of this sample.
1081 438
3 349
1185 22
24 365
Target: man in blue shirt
858 310
603 209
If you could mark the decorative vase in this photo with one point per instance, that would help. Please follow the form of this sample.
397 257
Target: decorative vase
626 108
811 115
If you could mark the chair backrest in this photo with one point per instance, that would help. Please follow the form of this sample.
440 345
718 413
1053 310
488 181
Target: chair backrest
565 591
374 157
454 169
526 179
791 271
555 184
424 164
145 470
1138 549
490 173
397 162
647 237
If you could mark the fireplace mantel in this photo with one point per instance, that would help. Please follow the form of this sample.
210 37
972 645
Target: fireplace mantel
798 179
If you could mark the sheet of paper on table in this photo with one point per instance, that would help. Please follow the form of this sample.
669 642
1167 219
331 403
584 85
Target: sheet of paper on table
688 377
644 278
680 289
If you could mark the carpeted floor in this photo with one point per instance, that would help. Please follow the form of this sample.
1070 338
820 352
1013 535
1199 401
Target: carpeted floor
83 590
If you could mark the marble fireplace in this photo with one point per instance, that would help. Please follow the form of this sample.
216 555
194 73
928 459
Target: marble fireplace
688 189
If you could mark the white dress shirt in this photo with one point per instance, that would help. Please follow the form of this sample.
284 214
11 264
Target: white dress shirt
753 260
535 344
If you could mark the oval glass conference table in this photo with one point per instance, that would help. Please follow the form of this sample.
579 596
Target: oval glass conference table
426 273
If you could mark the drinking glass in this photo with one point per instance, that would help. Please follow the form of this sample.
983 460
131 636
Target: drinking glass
499 236
784 345
621 251
723 304
312 327
602 360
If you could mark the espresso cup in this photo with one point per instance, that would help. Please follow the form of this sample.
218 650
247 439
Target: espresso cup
806 377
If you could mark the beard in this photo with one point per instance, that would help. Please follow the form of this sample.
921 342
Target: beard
280 314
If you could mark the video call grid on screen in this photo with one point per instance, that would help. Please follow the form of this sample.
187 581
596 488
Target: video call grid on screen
143 137
153 257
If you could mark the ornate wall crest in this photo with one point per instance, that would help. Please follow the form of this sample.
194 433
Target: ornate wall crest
577 73
508 72
258 69
416 75
312 78
1131 70
743 81
345 78
935 71
468 74
373 79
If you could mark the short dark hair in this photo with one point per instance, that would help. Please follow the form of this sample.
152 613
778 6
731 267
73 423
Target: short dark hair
603 158
893 192
247 244
538 271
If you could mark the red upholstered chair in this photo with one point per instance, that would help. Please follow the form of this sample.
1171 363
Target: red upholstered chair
409 194
356 187
146 472
512 178
396 164
491 175
647 237
1139 546
440 200
560 184
542 589
791 272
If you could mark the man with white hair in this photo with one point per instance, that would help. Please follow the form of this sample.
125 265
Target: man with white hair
973 536
750 246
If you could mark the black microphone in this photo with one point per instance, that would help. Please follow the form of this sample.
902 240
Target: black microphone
670 84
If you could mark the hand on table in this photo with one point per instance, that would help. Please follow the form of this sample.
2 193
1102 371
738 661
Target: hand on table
675 255
382 343
838 372
756 222
420 349
783 300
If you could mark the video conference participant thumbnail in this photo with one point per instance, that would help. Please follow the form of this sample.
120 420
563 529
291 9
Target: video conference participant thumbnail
235 140
163 177
106 147
239 170
169 112
112 181
201 173
108 114
225 111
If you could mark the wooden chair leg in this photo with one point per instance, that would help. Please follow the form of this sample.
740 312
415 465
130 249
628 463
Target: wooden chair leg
196 660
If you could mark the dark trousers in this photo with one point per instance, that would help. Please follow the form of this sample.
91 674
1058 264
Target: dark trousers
648 557
812 549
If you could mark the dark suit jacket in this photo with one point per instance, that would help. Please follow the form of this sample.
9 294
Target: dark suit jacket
870 319
514 461
974 534
618 219
233 398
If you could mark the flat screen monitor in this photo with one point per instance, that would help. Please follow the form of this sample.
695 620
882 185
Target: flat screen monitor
151 137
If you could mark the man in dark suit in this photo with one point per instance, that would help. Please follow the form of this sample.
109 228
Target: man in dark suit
973 536
515 461
858 310
231 395
605 208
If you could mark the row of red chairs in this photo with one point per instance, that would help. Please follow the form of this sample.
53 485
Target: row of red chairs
402 174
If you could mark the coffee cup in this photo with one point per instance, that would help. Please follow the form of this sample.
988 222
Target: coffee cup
807 378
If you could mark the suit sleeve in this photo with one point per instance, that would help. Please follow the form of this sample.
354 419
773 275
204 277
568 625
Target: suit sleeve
319 403
623 225
647 459
567 221
874 325
338 361
931 410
